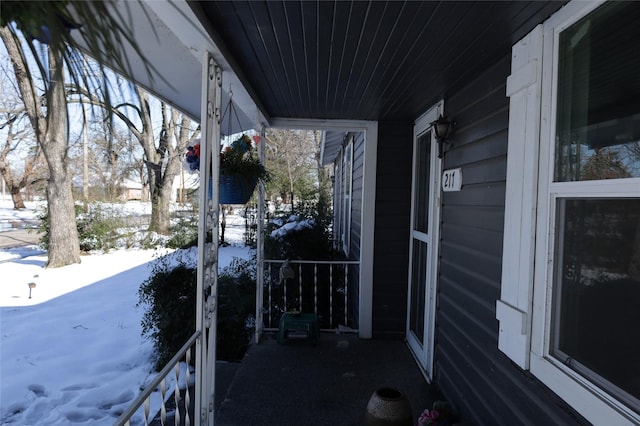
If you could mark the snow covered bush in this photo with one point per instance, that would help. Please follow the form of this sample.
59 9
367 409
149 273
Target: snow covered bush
169 298
98 230
299 236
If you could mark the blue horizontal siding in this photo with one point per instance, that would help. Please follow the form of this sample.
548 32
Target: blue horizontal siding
485 386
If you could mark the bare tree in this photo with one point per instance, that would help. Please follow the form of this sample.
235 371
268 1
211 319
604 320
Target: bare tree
18 139
110 159
46 109
105 34
19 144
163 158
175 136
291 162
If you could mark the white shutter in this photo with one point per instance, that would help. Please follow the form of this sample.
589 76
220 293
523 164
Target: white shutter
514 308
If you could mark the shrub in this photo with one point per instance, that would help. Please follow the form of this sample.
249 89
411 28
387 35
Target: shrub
236 308
98 229
169 296
305 235
184 232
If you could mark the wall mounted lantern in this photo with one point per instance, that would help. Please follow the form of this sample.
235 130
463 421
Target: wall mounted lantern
442 128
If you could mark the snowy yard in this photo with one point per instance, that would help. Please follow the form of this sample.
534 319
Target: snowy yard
73 352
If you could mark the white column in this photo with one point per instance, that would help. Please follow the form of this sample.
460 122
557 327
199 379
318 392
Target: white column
260 243
207 287
367 239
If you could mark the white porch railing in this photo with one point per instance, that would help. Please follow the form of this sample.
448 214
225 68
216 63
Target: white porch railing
160 383
323 287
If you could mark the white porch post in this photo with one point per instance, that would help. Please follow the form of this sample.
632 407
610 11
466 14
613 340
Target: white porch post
207 287
367 239
260 244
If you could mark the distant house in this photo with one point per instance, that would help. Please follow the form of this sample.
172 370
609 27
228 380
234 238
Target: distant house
132 190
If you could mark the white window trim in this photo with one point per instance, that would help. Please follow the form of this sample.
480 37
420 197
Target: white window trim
424 353
347 166
524 309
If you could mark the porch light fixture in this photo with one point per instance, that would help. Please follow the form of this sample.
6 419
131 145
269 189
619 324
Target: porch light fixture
442 128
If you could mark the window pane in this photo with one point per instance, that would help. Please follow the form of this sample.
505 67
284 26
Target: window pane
598 122
596 317
421 185
418 289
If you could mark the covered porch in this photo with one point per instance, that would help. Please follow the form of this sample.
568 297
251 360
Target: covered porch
374 67
328 384
299 384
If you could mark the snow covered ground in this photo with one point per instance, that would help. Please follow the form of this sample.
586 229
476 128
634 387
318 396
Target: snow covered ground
72 353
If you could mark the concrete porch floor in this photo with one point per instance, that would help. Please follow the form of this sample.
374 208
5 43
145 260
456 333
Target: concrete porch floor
329 384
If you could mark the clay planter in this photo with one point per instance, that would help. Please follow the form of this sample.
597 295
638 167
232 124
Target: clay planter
388 407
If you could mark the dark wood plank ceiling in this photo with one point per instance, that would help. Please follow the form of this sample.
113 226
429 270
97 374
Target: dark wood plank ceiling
371 60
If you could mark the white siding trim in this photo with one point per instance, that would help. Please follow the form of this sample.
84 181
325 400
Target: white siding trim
347 198
368 230
513 310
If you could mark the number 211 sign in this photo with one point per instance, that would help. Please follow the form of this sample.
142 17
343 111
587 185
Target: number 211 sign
452 180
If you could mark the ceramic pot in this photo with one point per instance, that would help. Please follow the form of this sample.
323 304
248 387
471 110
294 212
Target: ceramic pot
388 407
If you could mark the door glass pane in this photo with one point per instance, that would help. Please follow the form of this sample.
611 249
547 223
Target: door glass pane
598 121
421 184
596 316
418 286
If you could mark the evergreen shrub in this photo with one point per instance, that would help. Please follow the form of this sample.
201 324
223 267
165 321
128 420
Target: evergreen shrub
98 229
169 297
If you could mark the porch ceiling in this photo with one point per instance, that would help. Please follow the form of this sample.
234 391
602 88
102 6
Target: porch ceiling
363 60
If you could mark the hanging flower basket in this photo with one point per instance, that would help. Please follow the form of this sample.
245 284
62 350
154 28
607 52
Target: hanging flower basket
235 188
240 169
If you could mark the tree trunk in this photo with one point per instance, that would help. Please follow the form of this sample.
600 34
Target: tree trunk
64 248
64 244
160 216
16 197
14 189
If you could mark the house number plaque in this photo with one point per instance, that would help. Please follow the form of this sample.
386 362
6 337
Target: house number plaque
452 180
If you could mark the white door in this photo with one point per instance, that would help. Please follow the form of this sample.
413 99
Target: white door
423 245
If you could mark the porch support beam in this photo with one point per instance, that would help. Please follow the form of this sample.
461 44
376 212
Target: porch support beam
259 324
207 285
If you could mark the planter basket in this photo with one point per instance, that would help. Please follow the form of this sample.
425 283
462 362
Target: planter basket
235 189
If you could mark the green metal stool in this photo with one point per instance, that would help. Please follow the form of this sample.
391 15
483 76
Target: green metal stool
299 322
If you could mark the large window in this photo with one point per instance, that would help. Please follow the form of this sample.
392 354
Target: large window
596 282
570 301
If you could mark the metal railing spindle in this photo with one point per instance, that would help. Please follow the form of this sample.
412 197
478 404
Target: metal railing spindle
331 296
176 393
346 292
300 287
315 288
